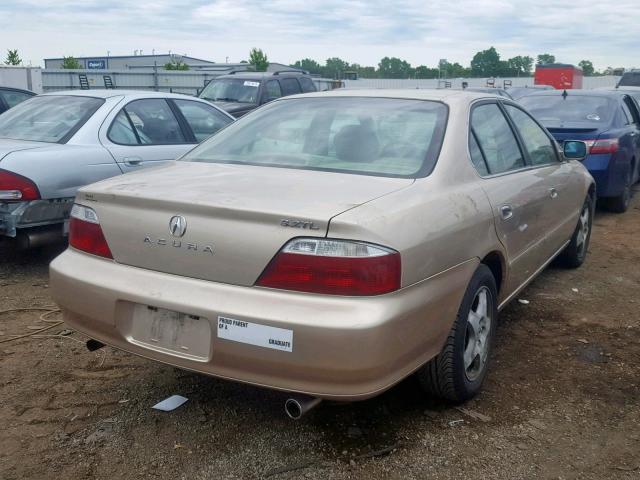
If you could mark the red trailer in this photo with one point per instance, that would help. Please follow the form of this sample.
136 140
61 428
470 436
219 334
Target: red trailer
558 75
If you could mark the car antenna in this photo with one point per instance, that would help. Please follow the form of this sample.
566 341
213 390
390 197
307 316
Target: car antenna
565 94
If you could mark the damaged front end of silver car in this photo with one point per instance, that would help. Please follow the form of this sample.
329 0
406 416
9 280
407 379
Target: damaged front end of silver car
36 222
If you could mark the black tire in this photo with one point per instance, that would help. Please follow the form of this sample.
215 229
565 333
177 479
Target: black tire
575 253
621 203
446 376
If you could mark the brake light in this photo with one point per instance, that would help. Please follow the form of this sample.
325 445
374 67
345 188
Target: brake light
16 187
85 232
334 267
602 145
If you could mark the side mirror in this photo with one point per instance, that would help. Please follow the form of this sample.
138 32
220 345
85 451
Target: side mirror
574 150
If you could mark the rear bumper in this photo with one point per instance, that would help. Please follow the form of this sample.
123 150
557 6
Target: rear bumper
36 213
344 348
609 181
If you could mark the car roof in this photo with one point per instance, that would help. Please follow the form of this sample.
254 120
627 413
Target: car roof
575 92
262 75
118 93
439 95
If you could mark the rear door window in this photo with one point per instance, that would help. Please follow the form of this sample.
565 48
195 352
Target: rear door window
307 84
290 86
152 121
273 90
629 105
495 139
204 120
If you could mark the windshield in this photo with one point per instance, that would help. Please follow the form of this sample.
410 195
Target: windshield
232 90
573 108
373 136
47 119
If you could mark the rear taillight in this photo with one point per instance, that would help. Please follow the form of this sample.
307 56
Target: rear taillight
334 267
602 145
85 232
16 187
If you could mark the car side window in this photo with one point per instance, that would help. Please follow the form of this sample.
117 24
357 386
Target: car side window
476 155
307 84
631 110
290 86
626 114
539 146
154 122
273 90
14 98
121 131
204 120
496 139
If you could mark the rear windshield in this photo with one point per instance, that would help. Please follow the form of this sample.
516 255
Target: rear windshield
48 119
577 108
232 90
371 136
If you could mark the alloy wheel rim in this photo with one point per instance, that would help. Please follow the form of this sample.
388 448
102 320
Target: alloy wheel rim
478 328
583 230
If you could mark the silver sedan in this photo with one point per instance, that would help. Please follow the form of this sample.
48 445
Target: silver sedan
55 143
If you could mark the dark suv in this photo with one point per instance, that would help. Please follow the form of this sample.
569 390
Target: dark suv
630 79
240 92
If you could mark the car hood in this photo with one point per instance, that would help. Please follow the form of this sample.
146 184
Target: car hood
235 107
244 213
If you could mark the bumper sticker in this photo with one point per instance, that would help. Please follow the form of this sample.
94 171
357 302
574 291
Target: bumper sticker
255 334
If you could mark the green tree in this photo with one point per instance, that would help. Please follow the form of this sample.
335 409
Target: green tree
363 72
71 63
13 58
394 67
545 58
176 65
309 65
423 71
519 66
486 63
334 67
587 68
259 60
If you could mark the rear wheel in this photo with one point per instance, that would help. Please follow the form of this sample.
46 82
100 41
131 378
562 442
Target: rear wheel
574 254
457 373
621 203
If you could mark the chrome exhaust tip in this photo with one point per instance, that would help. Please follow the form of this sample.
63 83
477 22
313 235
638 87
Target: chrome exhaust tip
297 407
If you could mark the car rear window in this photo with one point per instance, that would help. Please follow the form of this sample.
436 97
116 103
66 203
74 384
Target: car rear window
363 135
51 119
551 109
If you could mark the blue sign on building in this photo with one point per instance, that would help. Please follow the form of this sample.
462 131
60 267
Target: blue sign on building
96 64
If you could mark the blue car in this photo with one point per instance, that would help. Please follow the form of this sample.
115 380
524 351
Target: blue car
609 122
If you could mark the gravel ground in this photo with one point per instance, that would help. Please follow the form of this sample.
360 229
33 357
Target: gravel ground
561 402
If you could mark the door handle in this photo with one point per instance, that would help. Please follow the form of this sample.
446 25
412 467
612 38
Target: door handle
553 193
506 212
132 161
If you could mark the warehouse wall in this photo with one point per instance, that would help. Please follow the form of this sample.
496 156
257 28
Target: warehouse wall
191 82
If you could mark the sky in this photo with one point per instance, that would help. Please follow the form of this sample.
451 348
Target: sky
607 32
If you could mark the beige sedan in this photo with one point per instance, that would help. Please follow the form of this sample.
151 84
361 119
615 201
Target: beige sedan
330 244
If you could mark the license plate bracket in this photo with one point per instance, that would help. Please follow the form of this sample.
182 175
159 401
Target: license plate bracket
171 332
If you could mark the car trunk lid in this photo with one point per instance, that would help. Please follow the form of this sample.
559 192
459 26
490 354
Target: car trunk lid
235 217
8 146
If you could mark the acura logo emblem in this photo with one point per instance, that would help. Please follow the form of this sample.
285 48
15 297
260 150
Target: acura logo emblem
177 225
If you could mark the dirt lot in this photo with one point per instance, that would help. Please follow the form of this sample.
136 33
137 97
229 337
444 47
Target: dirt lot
562 400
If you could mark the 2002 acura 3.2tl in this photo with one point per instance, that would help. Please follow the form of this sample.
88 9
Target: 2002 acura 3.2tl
330 244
